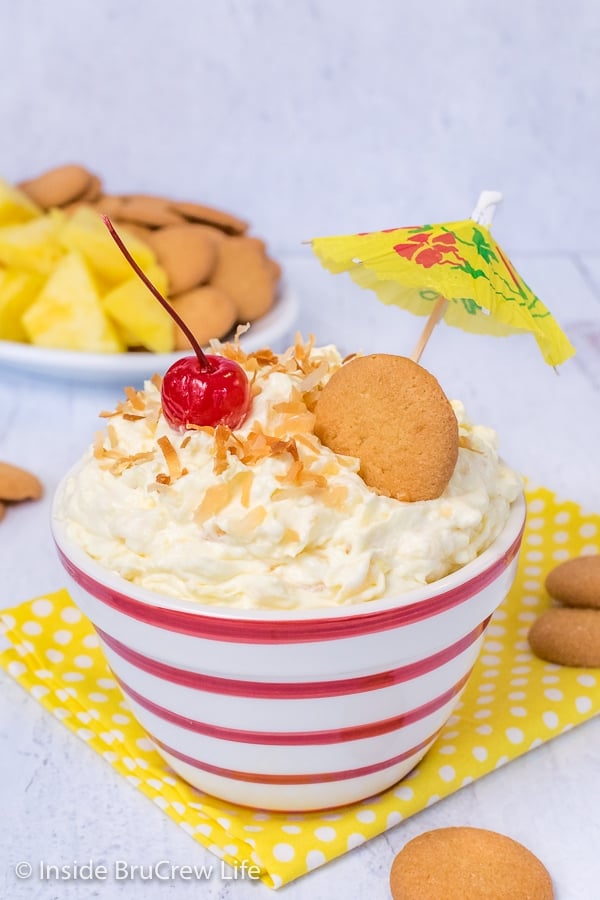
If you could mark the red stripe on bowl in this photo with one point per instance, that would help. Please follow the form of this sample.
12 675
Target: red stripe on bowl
298 738
293 690
316 778
286 631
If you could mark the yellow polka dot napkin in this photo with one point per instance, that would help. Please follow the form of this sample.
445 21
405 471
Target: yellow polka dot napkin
512 703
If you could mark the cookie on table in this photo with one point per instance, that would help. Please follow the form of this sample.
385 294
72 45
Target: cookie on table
576 582
463 863
567 637
18 484
392 415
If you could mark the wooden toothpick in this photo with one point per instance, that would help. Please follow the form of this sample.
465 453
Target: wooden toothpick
434 317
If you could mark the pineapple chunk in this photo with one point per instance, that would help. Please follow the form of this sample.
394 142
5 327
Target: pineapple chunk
85 231
33 246
68 315
138 316
15 206
18 290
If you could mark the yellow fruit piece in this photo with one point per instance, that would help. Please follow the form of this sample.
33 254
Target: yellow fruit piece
68 315
85 231
18 290
33 246
139 318
15 206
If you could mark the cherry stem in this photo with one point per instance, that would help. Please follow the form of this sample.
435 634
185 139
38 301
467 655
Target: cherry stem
205 365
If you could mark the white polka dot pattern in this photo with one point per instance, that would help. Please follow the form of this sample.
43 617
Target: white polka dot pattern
512 703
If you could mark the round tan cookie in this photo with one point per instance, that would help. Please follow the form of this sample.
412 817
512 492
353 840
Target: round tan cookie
18 484
393 415
244 272
468 864
186 254
568 637
109 205
59 186
216 235
576 582
143 209
92 191
206 215
207 311
143 232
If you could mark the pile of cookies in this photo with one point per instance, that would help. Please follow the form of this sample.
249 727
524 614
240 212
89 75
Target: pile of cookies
217 274
569 634
17 484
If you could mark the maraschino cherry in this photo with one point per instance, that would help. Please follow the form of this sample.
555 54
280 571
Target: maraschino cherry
201 389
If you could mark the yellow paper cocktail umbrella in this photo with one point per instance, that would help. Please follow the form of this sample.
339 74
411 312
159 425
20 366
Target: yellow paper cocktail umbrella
455 271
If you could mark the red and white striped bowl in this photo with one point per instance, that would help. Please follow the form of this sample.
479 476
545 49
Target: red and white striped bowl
294 710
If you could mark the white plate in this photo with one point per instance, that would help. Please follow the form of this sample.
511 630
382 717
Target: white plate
127 367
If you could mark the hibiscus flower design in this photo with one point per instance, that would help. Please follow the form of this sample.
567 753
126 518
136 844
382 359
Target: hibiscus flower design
428 250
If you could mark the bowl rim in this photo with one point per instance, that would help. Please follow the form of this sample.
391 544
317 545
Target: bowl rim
503 546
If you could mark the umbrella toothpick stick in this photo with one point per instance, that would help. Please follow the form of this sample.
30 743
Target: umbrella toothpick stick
434 317
483 215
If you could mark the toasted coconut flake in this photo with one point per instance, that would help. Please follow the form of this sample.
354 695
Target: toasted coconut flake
171 457
315 377
249 523
161 478
264 357
292 407
99 445
113 437
222 436
311 443
185 442
215 499
107 414
335 496
300 475
152 420
292 476
302 353
232 349
121 463
291 536
283 493
465 443
243 480
131 417
157 381
135 398
330 468
298 425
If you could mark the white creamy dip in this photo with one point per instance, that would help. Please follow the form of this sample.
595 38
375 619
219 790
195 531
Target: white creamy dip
267 516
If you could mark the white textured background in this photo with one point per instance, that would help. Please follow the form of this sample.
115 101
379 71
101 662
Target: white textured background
316 117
